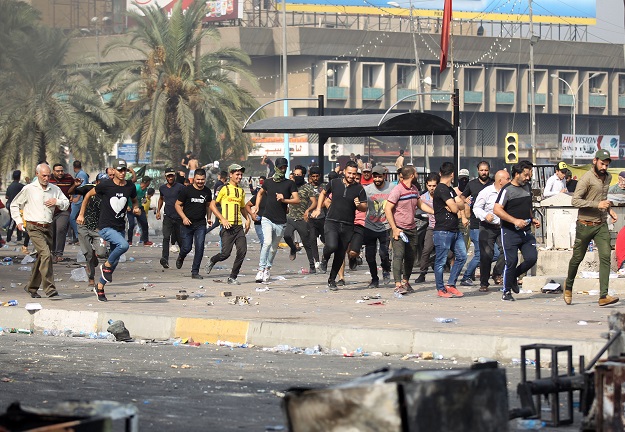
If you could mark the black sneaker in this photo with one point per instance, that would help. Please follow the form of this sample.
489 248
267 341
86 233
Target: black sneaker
341 282
33 294
99 293
515 288
312 270
386 278
332 286
107 273
420 279
353 264
196 276
292 256
507 296
373 284
209 267
179 262
164 263
323 266
53 294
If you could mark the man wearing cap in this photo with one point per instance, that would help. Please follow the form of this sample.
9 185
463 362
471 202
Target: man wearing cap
142 188
91 245
60 222
591 198
377 227
37 221
278 191
115 195
231 214
171 219
315 180
556 183
619 187
367 177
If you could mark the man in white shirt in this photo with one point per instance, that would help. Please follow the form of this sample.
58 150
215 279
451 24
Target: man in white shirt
38 200
556 183
490 230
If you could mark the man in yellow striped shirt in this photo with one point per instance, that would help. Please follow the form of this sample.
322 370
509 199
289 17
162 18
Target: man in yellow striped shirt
232 215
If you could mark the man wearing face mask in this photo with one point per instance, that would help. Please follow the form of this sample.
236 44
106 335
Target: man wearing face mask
315 180
278 191
297 219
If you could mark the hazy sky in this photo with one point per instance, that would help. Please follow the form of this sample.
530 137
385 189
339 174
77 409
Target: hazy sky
610 25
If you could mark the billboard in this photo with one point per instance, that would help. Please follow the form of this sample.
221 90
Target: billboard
587 145
218 10
579 12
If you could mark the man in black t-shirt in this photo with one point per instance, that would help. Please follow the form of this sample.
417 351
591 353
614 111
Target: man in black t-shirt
446 235
115 195
514 208
171 221
470 192
278 192
347 197
193 207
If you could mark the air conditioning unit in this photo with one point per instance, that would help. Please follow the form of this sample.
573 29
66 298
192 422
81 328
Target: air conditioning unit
595 90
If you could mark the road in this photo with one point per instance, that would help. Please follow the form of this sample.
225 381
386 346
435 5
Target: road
181 387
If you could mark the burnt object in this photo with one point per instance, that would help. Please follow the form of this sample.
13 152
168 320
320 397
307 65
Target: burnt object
119 330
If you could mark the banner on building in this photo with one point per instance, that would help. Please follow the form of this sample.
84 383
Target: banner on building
587 145
276 149
218 10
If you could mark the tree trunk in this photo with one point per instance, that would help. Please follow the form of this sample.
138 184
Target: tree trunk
174 136
41 145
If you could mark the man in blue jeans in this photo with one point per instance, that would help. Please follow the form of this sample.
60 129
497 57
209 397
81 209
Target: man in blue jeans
193 207
115 195
76 200
446 235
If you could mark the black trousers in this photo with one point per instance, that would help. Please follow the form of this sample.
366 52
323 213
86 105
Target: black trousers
337 235
489 236
371 247
171 229
143 223
303 229
316 230
513 242
426 261
234 236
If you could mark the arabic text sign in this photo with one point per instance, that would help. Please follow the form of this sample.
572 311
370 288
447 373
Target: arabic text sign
587 145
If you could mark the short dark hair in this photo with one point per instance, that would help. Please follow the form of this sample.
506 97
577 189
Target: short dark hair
483 163
58 164
200 172
150 191
263 177
518 168
447 168
300 167
314 170
433 177
332 175
351 164
527 164
223 174
17 174
401 152
77 164
407 171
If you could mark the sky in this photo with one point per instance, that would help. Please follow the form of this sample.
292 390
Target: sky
610 27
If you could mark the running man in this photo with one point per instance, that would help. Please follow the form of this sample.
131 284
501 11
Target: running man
171 220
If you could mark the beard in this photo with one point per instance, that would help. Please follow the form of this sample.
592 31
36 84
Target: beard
484 177
600 172
378 183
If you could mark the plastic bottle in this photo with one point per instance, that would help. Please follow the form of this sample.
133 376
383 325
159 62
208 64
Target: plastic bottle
530 424
591 245
10 303
24 268
304 271
7 261
404 237
397 295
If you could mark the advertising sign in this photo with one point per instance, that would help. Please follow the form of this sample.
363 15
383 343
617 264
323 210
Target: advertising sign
218 10
580 12
587 145
128 152
276 149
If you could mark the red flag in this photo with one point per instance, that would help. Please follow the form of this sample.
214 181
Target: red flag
445 34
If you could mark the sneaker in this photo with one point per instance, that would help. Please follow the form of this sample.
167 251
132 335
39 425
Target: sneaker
25 250
507 296
196 276
420 279
386 278
312 270
174 249
259 276
353 264
443 293
53 294
323 266
164 263
454 291
99 293
233 281
373 284
179 262
292 255
32 294
515 288
466 282
209 267
130 244
332 286
107 273
607 300
340 282
266 275
148 243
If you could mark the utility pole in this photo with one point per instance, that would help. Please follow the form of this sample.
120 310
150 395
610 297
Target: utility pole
285 80
533 40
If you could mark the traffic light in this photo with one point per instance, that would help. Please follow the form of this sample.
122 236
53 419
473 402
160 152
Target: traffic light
334 152
511 150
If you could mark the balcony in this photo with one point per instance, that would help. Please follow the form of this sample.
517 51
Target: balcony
403 92
443 97
372 93
539 99
565 100
337 93
621 101
473 97
504 98
597 100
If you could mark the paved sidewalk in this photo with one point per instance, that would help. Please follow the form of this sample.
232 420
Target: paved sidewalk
300 311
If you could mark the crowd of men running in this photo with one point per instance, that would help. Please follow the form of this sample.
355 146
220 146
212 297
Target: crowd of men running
354 208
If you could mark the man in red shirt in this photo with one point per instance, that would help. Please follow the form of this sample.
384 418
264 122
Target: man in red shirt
367 175
60 221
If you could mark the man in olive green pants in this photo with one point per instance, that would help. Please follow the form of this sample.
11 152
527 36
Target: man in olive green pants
591 198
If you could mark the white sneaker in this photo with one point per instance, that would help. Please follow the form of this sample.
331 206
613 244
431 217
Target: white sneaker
174 249
266 275
260 275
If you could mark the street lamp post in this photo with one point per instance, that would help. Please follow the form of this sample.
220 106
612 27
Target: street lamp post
574 94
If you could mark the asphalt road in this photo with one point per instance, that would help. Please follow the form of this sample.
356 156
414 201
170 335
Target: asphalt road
181 387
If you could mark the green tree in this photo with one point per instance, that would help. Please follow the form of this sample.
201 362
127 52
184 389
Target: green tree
16 20
175 92
47 104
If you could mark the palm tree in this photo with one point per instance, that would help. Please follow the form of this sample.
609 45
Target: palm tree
16 19
171 95
47 104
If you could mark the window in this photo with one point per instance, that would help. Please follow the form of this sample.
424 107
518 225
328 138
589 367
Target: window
332 75
595 84
435 76
313 72
368 76
471 77
503 80
621 84
404 76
